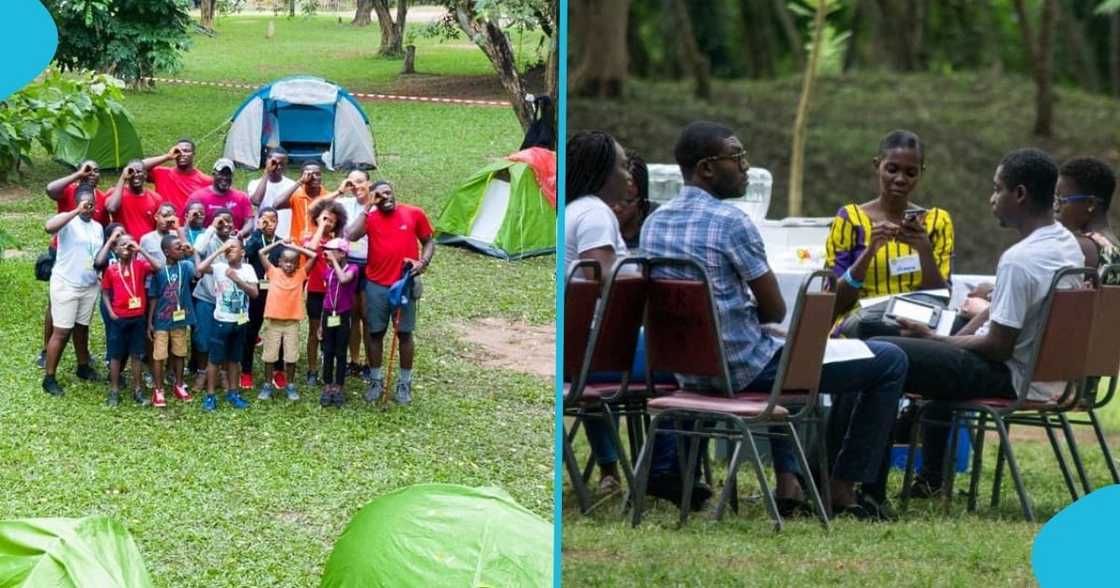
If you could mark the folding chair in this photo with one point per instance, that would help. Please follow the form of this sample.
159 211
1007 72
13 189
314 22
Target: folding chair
683 336
609 339
1059 355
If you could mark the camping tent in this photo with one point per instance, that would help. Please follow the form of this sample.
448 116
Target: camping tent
442 535
110 139
507 209
94 551
311 118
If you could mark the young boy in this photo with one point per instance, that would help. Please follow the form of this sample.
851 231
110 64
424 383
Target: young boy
206 244
125 299
341 282
167 223
265 235
234 284
283 310
196 214
171 314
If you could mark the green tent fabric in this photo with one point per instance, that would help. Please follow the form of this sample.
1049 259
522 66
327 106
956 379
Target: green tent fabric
500 211
93 551
110 139
436 535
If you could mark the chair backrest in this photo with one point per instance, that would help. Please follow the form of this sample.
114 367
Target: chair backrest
681 323
1060 354
581 295
802 357
1104 346
615 329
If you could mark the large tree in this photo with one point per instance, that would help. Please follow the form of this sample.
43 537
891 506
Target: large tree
363 13
392 31
1040 48
598 45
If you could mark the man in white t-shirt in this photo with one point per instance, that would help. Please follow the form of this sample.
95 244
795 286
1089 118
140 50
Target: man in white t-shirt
73 285
265 190
989 356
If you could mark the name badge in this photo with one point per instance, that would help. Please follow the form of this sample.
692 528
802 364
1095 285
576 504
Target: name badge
243 319
263 285
906 264
334 320
134 303
179 315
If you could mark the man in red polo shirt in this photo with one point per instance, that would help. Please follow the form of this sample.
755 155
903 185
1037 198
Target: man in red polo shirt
132 203
176 184
399 234
223 195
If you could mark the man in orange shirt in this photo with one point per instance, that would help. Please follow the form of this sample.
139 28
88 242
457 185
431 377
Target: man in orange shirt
298 198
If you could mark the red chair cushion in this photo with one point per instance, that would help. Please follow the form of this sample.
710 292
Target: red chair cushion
744 405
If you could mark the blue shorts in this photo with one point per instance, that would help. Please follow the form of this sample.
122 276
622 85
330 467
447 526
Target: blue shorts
227 342
377 311
126 337
203 325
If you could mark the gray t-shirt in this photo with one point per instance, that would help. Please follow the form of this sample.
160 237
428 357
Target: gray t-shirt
1023 279
153 243
206 244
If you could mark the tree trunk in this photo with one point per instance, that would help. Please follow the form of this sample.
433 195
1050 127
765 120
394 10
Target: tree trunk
291 8
690 50
597 37
363 13
1114 53
790 30
552 70
761 46
206 11
409 60
392 33
797 157
1042 62
493 42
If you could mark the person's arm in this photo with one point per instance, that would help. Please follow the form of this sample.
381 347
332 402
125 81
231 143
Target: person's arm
151 318
344 277
257 196
247 287
263 254
746 253
768 296
57 187
603 255
107 301
974 323
846 293
310 254
1090 249
357 227
152 261
55 223
284 199
204 267
153 161
113 202
317 238
101 260
427 250
914 234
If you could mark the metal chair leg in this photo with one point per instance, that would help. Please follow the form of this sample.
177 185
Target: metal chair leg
949 464
1075 452
1059 456
804 464
1104 446
977 460
997 482
767 495
911 450
824 470
574 475
689 479
1024 499
623 459
729 484
637 495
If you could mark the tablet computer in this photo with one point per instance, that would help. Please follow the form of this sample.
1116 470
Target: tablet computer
914 311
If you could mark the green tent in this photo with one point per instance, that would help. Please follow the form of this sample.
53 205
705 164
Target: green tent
93 551
109 138
442 535
500 211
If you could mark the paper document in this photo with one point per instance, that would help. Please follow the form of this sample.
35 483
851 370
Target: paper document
838 350
945 326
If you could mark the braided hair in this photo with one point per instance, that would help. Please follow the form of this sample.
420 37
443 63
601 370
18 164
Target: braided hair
640 175
590 159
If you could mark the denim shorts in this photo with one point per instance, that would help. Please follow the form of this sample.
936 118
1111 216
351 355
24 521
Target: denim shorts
227 342
126 337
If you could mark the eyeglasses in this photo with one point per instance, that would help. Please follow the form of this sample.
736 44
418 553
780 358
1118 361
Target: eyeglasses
740 157
1063 200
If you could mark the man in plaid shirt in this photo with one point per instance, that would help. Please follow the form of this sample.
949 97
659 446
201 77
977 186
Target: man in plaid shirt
699 225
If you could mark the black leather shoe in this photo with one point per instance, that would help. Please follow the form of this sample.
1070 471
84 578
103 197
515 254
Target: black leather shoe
85 372
672 489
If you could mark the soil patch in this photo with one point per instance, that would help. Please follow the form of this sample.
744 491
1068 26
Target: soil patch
486 87
512 345
12 193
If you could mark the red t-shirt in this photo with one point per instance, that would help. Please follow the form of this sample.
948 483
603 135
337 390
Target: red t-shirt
394 237
176 186
235 200
138 212
317 273
123 282
67 202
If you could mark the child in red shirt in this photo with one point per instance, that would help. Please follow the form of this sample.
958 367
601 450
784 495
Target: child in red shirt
126 302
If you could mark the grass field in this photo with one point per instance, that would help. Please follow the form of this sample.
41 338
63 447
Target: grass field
258 498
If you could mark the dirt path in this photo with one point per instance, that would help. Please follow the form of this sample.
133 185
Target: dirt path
511 345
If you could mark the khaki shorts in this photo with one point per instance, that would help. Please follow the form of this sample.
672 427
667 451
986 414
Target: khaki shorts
178 343
70 305
275 331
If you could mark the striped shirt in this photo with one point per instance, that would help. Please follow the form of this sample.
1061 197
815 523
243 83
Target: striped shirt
847 238
726 243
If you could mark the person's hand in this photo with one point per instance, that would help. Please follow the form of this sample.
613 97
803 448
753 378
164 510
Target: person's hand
882 232
913 232
116 234
287 241
129 172
418 266
326 220
186 249
85 206
195 214
346 186
231 273
319 332
305 177
272 165
133 247
227 245
218 223
173 223
913 329
175 152
260 224
151 333
86 171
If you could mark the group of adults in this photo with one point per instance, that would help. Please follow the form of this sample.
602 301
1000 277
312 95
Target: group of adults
152 201
885 246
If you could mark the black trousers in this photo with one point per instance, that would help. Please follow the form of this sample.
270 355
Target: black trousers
335 345
939 371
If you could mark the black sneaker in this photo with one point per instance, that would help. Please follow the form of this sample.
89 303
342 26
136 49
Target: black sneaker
792 507
113 399
866 509
50 386
671 488
312 379
339 398
326 399
85 372
923 489
140 398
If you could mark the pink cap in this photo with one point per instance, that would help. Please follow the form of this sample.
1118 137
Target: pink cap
341 244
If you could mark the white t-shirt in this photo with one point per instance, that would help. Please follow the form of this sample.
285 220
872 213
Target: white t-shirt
358 249
230 301
1023 279
589 224
271 192
78 243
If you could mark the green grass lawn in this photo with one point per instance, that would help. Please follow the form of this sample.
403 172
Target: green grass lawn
924 548
258 498
338 51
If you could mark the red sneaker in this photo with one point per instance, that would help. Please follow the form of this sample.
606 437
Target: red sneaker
279 380
158 400
182 394
246 381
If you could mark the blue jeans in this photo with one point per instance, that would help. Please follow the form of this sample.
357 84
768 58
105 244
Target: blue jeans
874 386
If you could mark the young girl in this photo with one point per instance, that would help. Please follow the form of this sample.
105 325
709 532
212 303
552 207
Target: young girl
341 286
330 220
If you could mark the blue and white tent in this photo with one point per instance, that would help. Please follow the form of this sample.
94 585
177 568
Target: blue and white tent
311 118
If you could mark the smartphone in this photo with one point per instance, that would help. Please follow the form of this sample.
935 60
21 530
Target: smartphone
913 213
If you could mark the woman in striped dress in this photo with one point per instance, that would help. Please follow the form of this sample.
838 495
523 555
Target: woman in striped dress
888 245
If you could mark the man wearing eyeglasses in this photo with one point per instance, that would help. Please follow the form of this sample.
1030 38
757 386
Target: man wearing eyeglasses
699 225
